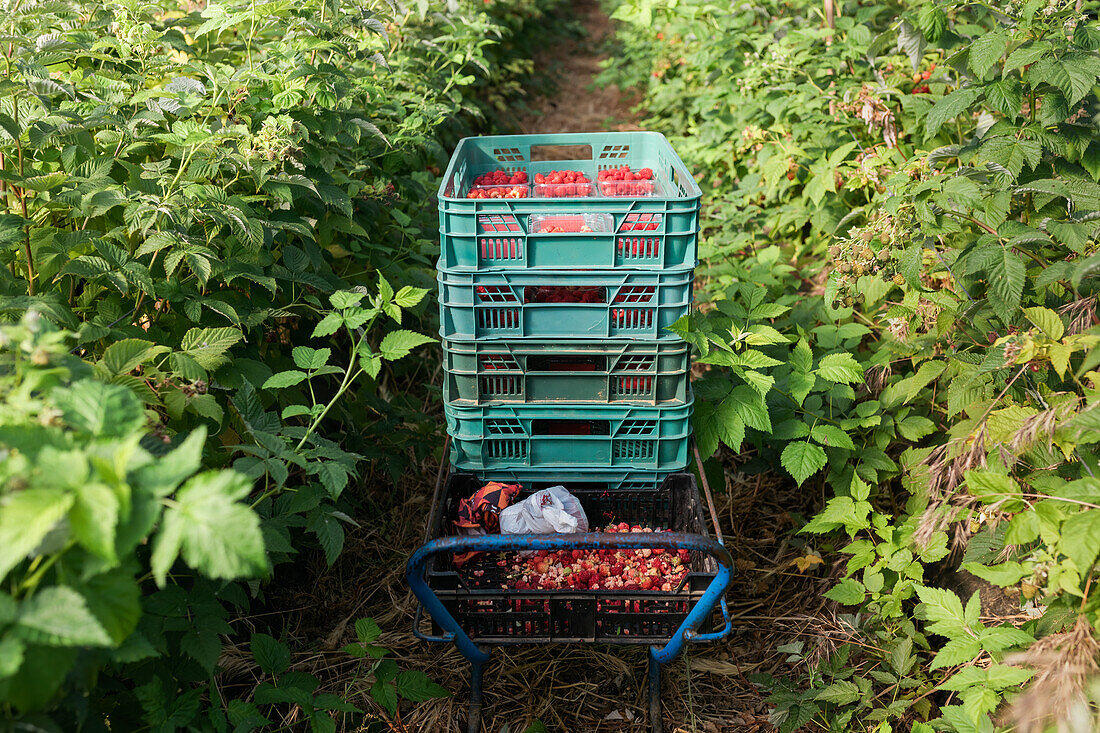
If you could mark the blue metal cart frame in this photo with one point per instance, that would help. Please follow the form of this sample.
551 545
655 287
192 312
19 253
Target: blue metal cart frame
714 595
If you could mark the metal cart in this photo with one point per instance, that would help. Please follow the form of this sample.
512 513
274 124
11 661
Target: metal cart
666 642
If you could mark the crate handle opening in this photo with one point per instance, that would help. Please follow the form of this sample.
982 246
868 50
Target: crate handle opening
567 363
570 427
560 152
568 294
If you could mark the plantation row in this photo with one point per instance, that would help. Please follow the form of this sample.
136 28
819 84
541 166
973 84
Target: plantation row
900 262
216 254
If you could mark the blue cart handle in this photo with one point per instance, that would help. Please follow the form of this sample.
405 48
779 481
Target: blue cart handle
584 541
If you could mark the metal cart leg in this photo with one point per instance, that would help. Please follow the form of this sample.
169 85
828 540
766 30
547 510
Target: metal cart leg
655 722
476 670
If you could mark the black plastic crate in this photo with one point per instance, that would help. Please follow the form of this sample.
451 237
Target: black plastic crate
494 615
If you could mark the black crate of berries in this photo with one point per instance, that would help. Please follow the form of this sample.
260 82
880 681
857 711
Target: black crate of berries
614 596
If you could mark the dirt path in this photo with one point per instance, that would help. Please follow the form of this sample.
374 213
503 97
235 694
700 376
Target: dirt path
580 105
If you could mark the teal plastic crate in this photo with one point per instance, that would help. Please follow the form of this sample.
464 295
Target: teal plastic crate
619 372
676 196
511 304
624 239
569 436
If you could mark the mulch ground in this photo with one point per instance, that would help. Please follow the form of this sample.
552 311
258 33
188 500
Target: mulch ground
571 689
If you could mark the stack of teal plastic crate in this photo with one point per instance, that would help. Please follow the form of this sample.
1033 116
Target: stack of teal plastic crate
554 310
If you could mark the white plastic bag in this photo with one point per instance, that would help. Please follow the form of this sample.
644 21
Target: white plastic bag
552 510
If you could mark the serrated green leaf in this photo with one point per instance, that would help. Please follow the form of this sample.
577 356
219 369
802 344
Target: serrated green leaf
59 616
209 527
986 50
397 344
409 296
307 358
101 410
1006 285
950 107
412 684
1080 538
124 356
841 692
328 325
272 656
803 459
847 592
25 518
93 519
1046 320
831 436
285 379
842 368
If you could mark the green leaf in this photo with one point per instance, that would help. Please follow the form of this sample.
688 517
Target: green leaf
367 631
307 358
162 476
902 658
1080 540
949 107
94 517
802 357
101 410
842 692
986 50
847 592
329 533
397 344
345 299
213 532
334 477
385 694
328 325
803 459
1027 54
762 335
750 407
11 655
915 427
114 598
271 655
412 684
124 356
208 346
832 436
1012 153
957 651
932 21
842 368
991 486
1005 574
1046 320
1006 284
59 616
25 519
729 425
284 379
409 296
944 610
